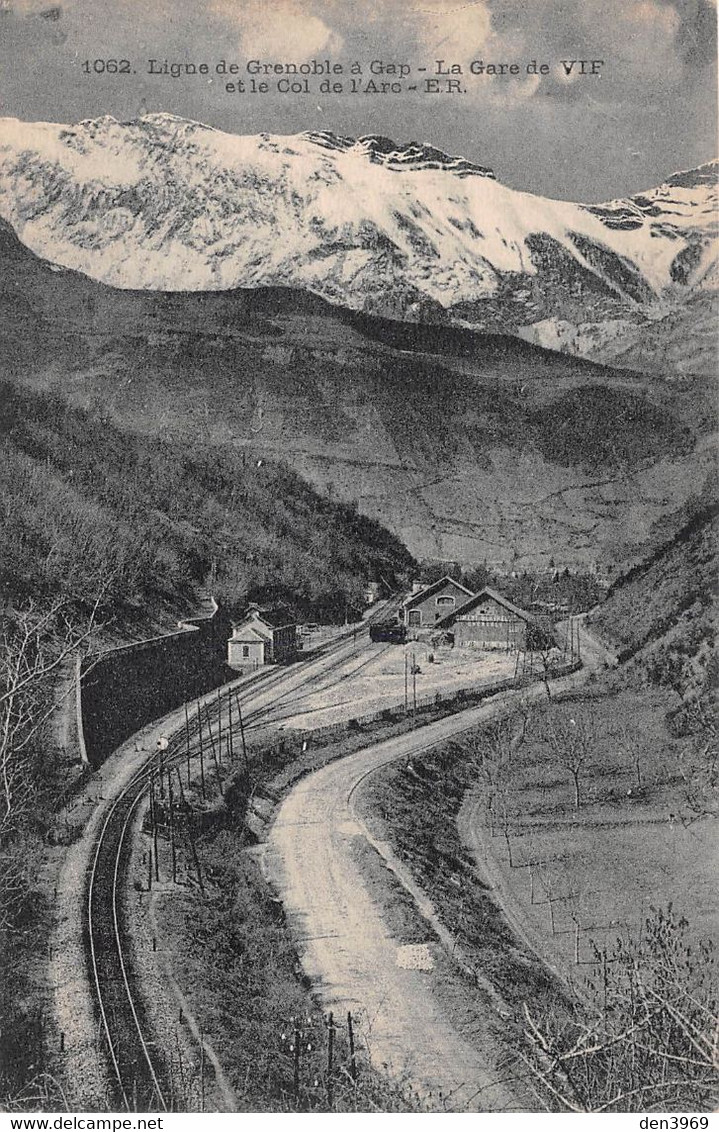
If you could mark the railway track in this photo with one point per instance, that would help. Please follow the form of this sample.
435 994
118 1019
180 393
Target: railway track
137 1067
140 1078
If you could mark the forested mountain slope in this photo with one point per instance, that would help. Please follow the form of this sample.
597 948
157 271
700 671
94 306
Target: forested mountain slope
88 508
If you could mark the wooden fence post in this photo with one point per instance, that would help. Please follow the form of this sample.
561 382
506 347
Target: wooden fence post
330 1058
296 1062
350 1034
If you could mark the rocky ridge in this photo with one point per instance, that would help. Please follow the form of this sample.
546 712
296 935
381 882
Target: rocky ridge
400 230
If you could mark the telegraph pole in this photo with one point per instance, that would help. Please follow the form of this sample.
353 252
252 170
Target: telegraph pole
179 784
202 755
153 820
214 752
219 727
242 734
193 848
187 742
162 772
230 730
172 830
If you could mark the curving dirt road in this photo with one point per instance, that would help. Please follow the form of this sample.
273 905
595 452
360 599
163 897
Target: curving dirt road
346 948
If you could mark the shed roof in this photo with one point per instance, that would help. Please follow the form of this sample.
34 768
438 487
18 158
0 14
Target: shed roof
434 588
476 600
275 618
245 634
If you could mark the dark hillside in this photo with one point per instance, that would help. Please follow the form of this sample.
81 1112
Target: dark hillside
663 613
86 505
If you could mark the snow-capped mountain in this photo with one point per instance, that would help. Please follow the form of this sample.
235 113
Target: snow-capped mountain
407 231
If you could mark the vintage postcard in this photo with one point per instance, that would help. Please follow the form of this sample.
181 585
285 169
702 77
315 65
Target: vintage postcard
358 685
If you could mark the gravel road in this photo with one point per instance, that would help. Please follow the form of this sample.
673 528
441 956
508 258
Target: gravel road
345 947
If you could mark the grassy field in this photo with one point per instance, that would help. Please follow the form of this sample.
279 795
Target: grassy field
583 875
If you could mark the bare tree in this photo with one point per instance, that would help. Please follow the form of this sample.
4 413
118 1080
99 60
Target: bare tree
547 657
647 1042
697 765
633 751
34 644
499 743
572 742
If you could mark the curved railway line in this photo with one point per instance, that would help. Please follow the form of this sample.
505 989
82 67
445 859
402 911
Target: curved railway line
141 1081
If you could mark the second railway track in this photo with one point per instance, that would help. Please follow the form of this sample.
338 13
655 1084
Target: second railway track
140 1078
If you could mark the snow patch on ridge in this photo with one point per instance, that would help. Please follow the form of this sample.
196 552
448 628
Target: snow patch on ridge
166 203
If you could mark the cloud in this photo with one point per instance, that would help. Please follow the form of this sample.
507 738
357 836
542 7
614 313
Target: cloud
644 43
286 31
452 29
645 34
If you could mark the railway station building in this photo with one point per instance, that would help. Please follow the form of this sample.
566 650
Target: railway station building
263 636
488 620
425 609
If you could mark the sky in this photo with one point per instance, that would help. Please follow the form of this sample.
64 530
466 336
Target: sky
650 111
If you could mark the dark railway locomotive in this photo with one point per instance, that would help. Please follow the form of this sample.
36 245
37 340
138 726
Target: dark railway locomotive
389 631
